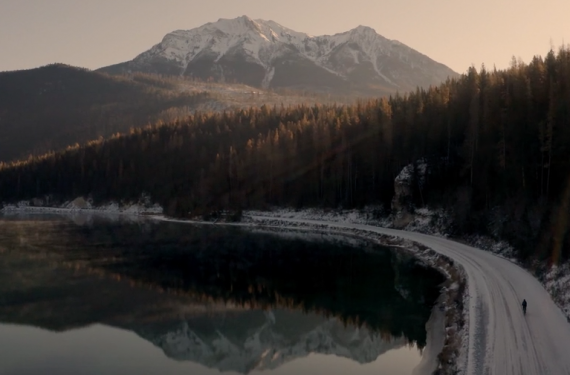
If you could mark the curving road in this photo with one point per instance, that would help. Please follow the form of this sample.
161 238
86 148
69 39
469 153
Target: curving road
502 341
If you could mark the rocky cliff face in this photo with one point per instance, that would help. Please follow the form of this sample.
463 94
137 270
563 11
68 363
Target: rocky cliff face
265 54
411 178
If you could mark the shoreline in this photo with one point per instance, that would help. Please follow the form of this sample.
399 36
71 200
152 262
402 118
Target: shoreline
443 349
437 323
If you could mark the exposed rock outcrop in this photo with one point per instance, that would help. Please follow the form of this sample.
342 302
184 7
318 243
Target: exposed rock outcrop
411 178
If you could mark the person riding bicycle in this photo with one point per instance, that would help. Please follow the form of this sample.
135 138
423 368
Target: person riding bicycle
524 305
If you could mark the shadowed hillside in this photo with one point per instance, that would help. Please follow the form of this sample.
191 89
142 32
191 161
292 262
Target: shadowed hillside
51 107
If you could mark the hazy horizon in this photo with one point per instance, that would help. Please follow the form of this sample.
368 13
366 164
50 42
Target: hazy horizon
93 34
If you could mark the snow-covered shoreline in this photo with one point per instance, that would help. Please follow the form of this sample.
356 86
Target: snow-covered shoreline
555 279
501 339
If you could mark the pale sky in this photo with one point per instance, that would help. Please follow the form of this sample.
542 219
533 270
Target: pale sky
458 33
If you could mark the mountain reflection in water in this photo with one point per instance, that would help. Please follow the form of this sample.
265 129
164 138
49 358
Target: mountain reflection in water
224 298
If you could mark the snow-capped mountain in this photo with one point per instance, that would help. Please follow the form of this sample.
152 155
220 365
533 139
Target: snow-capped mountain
265 54
258 340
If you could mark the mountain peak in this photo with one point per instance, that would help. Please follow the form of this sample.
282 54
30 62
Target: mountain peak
236 26
242 19
266 54
246 21
363 30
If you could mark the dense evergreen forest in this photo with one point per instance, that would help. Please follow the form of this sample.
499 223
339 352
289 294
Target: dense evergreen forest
497 143
56 105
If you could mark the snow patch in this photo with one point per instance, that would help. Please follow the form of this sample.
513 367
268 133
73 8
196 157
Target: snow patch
269 74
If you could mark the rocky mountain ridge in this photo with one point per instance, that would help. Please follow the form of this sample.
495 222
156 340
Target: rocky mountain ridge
266 54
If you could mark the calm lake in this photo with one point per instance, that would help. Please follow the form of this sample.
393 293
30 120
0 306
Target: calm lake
94 295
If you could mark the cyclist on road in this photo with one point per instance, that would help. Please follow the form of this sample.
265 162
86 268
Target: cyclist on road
524 306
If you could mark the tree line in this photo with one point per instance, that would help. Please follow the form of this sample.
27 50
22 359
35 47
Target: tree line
497 143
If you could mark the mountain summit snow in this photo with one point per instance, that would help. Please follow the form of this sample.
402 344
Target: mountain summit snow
265 54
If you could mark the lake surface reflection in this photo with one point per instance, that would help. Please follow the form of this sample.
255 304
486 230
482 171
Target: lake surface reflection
93 296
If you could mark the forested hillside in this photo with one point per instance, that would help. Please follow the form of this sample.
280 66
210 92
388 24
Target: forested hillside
497 142
51 107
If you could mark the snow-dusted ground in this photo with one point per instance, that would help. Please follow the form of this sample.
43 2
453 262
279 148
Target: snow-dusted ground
370 215
501 339
557 283
82 206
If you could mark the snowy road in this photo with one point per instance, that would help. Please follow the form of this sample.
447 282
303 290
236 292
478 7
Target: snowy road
502 341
